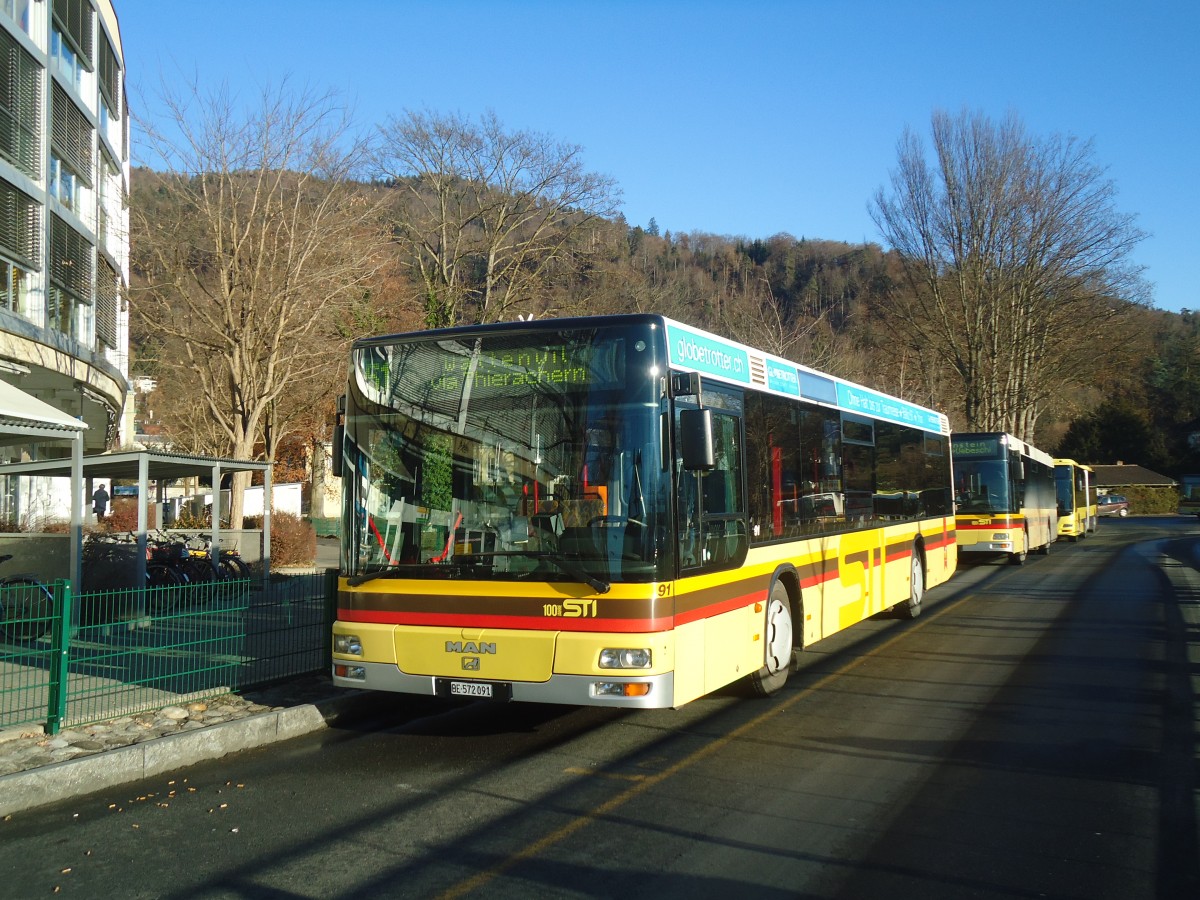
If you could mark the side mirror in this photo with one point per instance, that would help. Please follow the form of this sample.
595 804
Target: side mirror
339 438
696 439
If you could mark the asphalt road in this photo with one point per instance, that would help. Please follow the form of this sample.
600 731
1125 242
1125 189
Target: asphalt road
1032 735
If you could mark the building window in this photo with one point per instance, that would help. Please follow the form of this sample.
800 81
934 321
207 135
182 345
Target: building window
71 279
20 107
110 81
71 37
20 227
66 61
14 288
65 186
18 11
71 135
108 287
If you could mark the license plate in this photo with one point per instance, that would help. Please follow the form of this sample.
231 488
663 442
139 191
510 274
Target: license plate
476 690
470 689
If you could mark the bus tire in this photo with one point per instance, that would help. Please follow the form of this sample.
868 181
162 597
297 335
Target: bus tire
911 608
779 646
1018 559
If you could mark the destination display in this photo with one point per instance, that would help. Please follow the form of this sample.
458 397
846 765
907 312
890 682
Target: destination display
441 372
556 364
977 448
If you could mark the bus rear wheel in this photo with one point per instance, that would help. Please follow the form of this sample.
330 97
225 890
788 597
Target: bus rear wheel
779 646
911 608
1044 550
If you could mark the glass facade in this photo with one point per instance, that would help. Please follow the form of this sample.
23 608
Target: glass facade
64 171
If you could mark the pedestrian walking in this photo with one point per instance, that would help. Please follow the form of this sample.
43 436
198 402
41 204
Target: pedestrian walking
100 502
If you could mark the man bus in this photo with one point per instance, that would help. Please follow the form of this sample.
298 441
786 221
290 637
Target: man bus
1078 509
621 511
1004 495
1189 495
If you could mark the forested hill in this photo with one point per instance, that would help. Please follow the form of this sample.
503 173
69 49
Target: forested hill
820 302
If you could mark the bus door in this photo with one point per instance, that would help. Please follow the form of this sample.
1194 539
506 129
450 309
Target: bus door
711 502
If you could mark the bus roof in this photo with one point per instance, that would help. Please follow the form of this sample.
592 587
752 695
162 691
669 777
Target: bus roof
692 349
1071 462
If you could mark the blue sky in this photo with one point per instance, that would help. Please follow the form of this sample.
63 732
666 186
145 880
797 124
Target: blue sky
740 118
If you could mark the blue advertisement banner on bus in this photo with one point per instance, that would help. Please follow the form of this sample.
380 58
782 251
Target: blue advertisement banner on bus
707 355
861 400
729 361
782 378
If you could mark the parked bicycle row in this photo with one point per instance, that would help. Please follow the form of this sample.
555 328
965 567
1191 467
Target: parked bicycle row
174 559
176 566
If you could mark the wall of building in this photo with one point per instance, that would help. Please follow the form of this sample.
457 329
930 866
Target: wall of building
64 221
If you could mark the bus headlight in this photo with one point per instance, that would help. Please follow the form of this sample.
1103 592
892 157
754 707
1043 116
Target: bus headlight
625 658
348 644
1001 536
620 689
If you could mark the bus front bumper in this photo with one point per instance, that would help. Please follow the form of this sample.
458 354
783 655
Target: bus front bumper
573 690
988 547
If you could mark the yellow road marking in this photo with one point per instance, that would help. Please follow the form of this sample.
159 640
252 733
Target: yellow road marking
617 776
479 880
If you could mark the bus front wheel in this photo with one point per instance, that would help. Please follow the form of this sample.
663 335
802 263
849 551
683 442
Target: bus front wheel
1018 558
779 646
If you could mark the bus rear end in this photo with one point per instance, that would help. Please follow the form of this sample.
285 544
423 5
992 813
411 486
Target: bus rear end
1189 495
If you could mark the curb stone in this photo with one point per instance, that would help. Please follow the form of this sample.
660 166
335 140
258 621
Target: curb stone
22 791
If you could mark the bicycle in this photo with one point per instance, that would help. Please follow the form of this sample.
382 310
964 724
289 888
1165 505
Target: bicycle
229 567
26 606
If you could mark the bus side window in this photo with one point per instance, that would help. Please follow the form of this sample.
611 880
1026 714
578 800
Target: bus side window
712 509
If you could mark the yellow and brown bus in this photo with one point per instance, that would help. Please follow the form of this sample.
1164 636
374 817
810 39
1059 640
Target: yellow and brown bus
1078 509
1004 496
621 511
1189 495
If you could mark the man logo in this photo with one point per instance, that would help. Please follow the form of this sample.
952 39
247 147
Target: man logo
471 663
483 647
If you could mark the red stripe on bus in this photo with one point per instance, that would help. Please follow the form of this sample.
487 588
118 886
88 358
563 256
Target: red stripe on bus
519 623
830 575
715 609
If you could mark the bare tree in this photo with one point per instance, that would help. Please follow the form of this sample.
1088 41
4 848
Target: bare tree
489 212
253 241
1014 258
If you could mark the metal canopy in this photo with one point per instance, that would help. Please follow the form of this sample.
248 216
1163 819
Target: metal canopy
23 416
24 419
127 465
145 466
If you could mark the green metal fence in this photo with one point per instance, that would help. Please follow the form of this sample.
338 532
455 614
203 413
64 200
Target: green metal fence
68 660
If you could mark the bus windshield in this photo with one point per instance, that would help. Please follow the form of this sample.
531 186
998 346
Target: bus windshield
981 485
508 455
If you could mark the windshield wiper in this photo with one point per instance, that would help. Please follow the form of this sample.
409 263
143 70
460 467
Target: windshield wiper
596 584
363 577
401 570
564 564
477 559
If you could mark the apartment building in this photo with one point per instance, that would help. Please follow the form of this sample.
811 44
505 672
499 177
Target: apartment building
64 220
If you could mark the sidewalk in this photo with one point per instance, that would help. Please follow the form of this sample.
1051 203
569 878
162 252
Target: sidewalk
37 769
